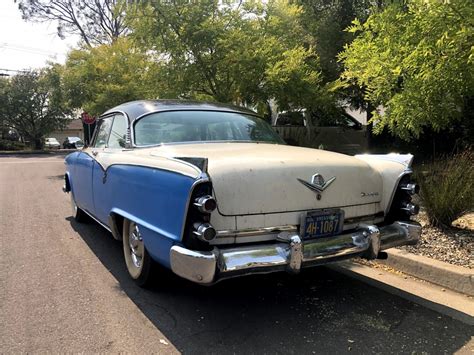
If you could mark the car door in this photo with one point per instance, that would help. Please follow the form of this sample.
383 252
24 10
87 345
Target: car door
86 161
84 167
82 181
104 193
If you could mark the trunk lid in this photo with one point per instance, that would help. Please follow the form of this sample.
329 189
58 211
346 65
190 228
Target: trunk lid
255 178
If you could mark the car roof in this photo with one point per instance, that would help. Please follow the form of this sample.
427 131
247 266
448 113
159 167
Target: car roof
135 109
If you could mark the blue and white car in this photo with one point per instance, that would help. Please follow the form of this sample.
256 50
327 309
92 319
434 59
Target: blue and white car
212 192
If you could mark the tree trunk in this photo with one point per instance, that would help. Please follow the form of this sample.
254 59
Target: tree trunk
370 126
38 143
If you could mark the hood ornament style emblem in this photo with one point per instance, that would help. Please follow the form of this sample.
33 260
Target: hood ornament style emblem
317 183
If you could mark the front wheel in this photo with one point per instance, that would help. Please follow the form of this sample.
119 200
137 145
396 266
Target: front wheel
78 214
137 259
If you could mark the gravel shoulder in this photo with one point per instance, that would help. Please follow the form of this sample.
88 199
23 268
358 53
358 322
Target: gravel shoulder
454 245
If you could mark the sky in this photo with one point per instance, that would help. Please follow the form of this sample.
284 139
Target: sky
27 45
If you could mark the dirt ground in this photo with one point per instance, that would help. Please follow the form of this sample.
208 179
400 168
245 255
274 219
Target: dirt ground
453 245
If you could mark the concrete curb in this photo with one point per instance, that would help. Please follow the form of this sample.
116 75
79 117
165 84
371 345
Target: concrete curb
457 278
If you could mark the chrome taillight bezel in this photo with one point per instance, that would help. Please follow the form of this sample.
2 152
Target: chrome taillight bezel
402 207
204 231
205 204
411 187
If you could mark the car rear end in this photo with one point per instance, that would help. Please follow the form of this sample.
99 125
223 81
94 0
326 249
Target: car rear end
292 208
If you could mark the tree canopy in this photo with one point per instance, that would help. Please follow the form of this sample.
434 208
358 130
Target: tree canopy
416 60
33 104
326 21
245 53
95 21
98 78
413 57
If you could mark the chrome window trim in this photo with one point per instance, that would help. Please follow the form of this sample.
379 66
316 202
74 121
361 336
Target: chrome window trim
97 129
105 116
134 122
118 114
203 142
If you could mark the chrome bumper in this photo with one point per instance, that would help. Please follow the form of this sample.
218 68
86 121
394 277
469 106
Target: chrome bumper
289 253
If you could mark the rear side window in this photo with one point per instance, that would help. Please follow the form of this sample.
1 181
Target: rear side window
118 133
103 132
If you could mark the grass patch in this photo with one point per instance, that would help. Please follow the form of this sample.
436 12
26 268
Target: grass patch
447 188
11 145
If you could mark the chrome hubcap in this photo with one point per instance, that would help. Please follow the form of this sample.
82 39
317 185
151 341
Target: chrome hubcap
135 243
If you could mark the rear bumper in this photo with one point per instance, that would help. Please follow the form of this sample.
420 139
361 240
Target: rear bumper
289 253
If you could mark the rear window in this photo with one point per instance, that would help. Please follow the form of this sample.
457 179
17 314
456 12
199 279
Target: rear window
202 126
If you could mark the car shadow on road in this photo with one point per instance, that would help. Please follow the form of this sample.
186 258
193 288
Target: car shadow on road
317 311
56 177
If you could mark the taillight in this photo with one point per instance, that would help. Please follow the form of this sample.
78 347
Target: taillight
198 230
204 231
402 207
411 188
410 208
205 204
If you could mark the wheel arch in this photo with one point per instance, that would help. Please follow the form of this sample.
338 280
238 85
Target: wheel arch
67 182
116 225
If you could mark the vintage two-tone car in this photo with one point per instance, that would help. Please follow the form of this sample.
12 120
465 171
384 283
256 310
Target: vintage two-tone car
212 192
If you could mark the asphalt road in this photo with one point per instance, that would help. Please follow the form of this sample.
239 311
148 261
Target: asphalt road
64 287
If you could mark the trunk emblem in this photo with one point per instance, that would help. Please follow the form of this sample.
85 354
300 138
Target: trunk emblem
317 183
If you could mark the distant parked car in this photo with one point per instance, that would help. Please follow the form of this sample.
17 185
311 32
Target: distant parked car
73 143
212 192
52 143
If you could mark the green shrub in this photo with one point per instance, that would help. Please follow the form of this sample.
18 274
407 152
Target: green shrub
447 188
11 145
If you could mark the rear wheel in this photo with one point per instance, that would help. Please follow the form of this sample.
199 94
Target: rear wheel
78 214
137 259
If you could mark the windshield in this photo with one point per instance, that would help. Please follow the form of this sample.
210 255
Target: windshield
199 126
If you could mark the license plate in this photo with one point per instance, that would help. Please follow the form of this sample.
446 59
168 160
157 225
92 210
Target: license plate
326 223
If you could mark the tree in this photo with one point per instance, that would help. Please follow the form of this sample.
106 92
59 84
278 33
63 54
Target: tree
34 104
3 105
95 21
98 78
416 60
243 53
327 20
